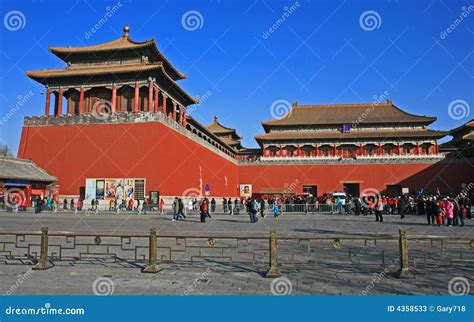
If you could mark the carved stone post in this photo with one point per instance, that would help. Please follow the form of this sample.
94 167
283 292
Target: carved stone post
404 271
152 266
43 263
273 270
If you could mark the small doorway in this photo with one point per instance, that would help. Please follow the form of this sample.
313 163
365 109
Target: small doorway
394 190
352 189
310 191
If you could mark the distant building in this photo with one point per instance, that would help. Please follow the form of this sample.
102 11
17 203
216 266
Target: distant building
24 178
462 143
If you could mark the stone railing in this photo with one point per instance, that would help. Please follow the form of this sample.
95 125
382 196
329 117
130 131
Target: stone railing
339 159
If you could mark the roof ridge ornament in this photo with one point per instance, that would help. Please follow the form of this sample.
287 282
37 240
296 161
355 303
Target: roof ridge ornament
126 32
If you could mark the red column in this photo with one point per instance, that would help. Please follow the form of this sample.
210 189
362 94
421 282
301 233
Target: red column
180 115
417 149
48 101
150 97
155 107
184 116
135 100
360 149
379 150
174 111
113 104
398 148
81 100
334 150
316 150
436 147
281 151
299 150
59 102
164 104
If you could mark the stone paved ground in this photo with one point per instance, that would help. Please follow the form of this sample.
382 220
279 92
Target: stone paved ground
323 277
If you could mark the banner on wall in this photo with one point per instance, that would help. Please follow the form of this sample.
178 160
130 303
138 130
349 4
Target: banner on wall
115 188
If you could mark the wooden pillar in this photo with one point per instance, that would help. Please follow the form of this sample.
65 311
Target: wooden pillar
113 104
150 97
379 150
81 100
155 107
299 151
135 99
174 111
417 149
334 150
48 101
316 150
398 148
436 148
184 117
59 103
281 151
180 115
164 103
360 149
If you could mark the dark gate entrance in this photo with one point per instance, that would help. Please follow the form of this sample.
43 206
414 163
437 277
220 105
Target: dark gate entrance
352 189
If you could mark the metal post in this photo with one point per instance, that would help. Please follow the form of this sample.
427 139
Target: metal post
43 263
404 271
273 270
152 266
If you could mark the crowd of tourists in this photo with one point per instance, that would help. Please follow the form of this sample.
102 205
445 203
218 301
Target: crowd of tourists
438 209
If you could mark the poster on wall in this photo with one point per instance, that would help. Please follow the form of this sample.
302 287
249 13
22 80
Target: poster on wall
117 188
90 189
246 190
99 189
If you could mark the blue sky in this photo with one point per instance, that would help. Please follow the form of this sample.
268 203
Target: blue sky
321 54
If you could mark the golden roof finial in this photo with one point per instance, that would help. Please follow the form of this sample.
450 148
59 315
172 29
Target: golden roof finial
126 31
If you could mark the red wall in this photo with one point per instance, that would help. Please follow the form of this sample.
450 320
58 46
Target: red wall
174 164
168 160
449 177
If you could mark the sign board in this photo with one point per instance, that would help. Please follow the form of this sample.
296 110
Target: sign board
405 191
154 198
207 190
